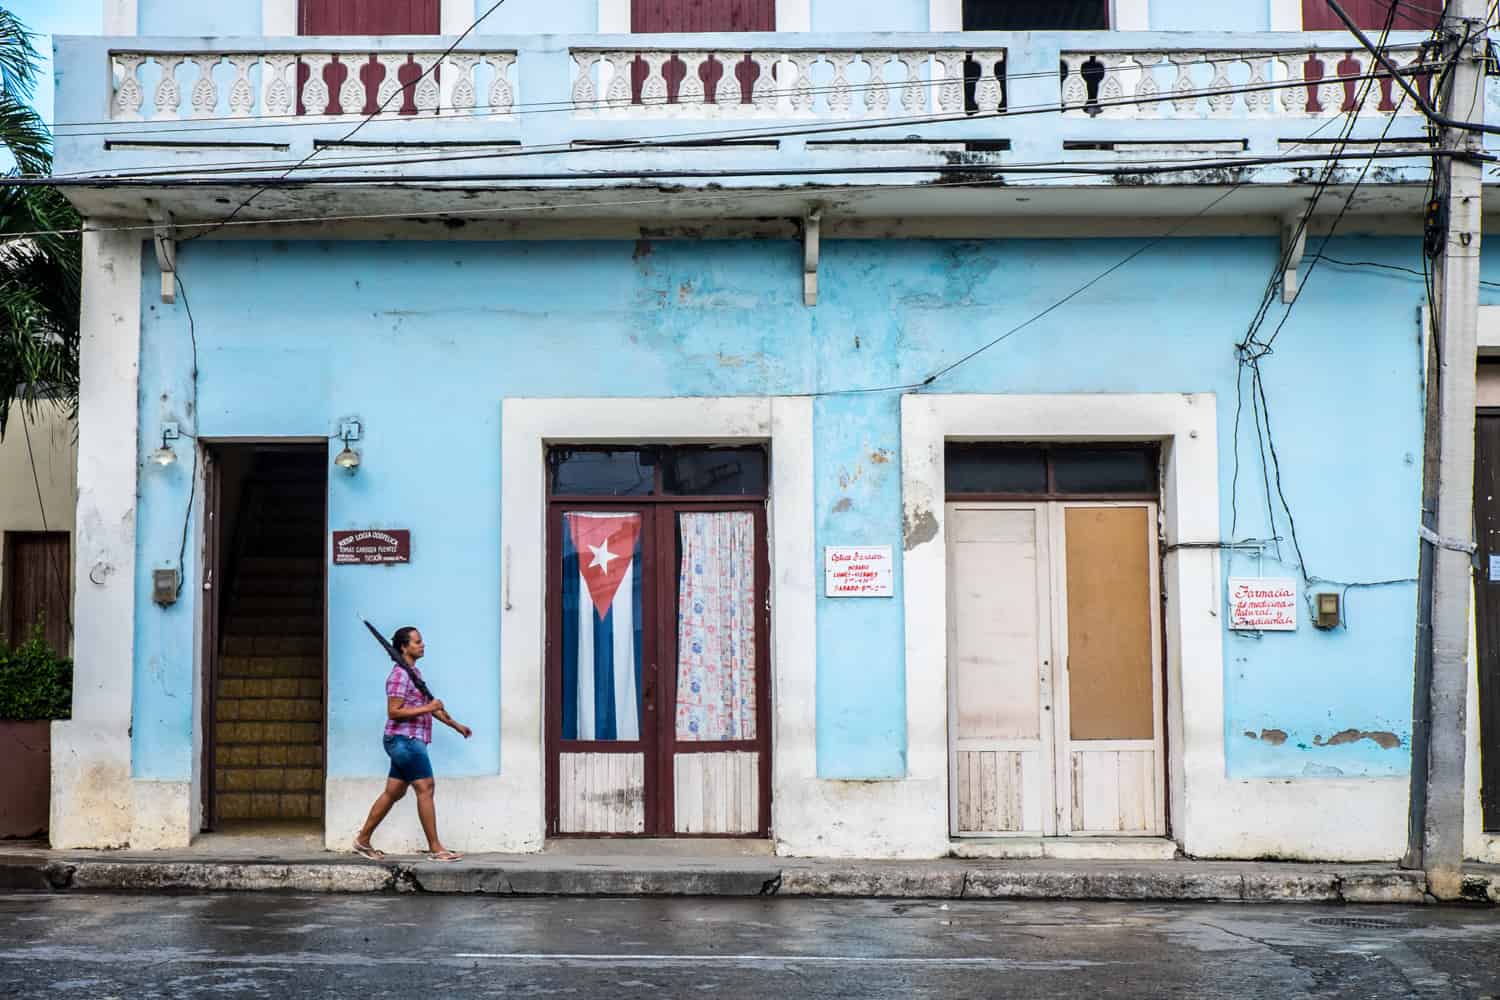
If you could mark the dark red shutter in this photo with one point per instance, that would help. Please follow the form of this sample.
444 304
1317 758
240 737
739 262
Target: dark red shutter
1411 15
36 587
649 17
369 17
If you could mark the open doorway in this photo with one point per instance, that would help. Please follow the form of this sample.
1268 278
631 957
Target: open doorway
264 663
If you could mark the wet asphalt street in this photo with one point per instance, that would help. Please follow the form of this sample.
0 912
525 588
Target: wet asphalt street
281 946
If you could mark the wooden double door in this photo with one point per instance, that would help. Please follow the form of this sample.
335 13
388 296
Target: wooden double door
658 695
1055 690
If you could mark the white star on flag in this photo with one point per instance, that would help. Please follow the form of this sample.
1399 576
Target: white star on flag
602 555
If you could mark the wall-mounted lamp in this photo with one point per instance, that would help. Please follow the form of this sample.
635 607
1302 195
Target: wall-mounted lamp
165 455
348 459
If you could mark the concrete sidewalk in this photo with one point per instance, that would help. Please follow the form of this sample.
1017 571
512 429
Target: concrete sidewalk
582 871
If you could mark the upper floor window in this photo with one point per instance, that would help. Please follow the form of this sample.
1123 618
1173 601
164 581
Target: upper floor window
652 17
368 17
1035 15
1372 14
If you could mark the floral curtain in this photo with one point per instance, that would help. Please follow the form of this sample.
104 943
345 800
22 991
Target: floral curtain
716 627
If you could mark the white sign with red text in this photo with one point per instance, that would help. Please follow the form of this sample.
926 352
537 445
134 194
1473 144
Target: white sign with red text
1263 604
858 570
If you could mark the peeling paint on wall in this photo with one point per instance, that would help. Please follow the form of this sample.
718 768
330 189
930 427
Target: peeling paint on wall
1385 740
920 528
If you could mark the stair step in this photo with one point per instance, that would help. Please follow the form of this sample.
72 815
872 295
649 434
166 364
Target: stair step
252 666
280 644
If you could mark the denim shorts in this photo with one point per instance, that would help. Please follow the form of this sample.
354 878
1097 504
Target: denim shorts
408 758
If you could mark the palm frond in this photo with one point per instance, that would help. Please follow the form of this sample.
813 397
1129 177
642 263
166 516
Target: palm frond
18 56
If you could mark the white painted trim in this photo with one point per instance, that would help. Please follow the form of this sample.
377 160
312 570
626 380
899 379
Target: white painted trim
91 787
945 15
614 17
1489 330
506 812
121 17
278 18
793 15
1286 15
1212 815
1131 15
455 16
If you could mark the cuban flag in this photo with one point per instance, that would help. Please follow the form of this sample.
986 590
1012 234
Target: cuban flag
601 626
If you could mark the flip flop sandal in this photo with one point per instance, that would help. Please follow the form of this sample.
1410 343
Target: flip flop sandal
368 851
444 855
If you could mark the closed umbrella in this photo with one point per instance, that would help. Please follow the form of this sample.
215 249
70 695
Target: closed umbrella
398 659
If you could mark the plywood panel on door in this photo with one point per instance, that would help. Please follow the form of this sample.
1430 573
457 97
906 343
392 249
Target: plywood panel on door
1111 675
602 793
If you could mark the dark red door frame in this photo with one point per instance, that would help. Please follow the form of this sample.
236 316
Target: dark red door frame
660 559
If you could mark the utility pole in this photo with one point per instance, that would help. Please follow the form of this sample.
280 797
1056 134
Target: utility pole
1435 838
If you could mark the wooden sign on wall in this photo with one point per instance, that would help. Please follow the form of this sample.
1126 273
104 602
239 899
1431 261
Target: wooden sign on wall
372 547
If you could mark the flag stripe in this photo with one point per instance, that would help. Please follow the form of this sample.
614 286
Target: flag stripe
571 594
602 657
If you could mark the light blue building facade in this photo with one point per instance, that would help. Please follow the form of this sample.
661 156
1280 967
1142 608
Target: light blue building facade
869 269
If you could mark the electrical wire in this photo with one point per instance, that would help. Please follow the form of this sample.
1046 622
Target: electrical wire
187 516
1251 351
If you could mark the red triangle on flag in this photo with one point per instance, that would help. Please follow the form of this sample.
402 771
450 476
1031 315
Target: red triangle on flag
606 548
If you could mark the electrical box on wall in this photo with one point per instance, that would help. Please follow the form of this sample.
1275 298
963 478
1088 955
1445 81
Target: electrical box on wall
1327 612
164 586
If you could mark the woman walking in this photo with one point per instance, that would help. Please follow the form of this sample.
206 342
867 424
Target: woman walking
408 730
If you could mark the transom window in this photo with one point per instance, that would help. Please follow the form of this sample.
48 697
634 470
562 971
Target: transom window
1002 470
1036 15
657 470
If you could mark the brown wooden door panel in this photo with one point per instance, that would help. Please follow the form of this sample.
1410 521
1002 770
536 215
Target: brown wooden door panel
1370 15
369 17
649 17
587 767
36 587
1487 609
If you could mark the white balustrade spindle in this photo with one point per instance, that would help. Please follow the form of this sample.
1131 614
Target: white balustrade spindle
129 94
168 100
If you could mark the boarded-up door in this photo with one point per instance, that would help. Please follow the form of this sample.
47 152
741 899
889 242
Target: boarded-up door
1487 608
36 587
368 17
1054 642
670 16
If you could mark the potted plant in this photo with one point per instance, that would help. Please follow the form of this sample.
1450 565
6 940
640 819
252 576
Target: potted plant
36 686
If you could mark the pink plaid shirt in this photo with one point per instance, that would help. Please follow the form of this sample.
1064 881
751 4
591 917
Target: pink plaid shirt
399 685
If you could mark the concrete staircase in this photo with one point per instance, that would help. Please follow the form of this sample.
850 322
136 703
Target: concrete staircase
268 713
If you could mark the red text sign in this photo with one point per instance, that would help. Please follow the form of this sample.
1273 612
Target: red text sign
858 571
1263 604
